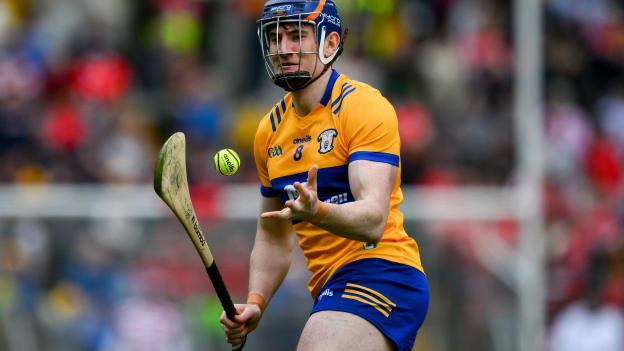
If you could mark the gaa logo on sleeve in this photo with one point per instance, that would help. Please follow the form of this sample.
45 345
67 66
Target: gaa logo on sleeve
326 141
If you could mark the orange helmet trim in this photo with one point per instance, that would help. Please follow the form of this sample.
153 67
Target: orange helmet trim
317 11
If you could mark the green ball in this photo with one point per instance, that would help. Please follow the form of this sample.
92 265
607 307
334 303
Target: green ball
226 162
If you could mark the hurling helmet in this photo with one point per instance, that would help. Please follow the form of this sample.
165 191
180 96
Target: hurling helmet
322 14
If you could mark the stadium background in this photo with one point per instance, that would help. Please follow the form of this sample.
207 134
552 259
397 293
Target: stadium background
89 90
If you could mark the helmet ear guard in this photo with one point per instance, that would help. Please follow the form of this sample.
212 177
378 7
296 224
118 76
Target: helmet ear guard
321 47
329 60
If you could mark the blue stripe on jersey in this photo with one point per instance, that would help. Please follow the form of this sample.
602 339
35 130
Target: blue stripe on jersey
268 192
330 87
273 122
332 184
283 106
345 86
279 115
375 156
347 92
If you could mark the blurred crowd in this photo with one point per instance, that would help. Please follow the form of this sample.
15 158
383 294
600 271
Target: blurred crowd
89 89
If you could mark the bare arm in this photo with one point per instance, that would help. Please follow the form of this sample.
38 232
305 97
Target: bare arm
272 252
270 260
364 219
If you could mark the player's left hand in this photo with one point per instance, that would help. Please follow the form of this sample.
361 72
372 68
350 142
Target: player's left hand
247 319
305 205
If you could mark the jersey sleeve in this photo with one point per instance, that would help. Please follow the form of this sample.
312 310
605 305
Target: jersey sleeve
370 129
260 157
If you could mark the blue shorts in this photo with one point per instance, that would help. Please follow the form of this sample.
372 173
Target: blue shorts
393 297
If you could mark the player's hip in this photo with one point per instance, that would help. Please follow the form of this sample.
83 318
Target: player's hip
325 260
394 297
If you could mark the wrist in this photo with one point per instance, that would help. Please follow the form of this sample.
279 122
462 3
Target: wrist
322 210
255 298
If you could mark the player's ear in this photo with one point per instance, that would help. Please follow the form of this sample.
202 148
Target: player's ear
332 41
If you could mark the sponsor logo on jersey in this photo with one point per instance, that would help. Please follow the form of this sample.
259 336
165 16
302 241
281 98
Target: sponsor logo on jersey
326 140
303 140
292 193
338 199
275 151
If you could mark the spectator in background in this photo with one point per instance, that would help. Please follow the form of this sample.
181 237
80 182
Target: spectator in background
591 323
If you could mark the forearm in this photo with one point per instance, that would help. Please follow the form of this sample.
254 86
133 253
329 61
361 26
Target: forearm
361 220
269 265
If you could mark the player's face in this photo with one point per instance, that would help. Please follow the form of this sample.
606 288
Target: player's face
293 48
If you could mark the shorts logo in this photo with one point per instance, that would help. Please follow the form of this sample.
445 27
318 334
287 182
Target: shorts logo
326 292
326 141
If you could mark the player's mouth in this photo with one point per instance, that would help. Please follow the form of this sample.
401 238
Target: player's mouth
289 67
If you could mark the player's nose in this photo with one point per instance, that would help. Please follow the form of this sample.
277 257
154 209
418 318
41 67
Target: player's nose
288 45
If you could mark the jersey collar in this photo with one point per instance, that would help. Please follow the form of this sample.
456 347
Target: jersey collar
330 87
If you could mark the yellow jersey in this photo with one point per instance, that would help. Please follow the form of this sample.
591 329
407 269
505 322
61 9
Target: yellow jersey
352 122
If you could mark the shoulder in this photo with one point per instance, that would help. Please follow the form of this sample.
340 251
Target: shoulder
356 95
271 121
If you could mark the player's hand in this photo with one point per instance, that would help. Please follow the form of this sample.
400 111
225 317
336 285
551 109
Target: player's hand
247 319
305 205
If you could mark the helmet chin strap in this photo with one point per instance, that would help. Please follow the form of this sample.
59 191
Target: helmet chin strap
298 80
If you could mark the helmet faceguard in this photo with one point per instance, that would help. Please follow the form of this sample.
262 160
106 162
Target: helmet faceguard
324 18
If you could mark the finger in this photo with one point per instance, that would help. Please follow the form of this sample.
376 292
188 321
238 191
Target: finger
241 316
304 194
230 325
312 173
238 335
230 333
250 313
283 214
236 341
224 320
272 214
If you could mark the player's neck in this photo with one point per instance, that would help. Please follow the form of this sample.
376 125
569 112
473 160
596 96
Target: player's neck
306 99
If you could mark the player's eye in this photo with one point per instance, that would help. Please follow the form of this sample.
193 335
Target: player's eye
296 36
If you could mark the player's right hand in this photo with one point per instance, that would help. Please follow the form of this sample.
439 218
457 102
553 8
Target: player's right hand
305 206
246 320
